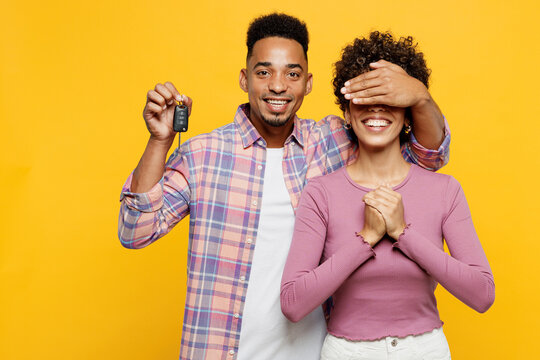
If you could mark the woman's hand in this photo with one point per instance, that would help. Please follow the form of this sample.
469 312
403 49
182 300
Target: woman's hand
374 226
388 202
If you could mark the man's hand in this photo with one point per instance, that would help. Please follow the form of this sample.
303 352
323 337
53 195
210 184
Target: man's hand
158 115
388 202
374 226
159 111
387 84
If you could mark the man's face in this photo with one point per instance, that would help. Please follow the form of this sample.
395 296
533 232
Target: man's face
276 80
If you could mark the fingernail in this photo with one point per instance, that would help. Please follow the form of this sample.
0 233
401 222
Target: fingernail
164 107
170 102
347 96
178 97
347 83
343 90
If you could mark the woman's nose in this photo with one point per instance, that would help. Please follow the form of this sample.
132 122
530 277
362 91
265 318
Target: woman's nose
377 108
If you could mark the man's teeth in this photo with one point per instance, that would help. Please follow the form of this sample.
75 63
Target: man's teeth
376 123
277 102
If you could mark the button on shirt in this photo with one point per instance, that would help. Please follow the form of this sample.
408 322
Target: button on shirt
217 178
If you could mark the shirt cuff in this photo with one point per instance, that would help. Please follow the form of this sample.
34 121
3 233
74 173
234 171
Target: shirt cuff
415 246
149 201
355 252
402 236
432 153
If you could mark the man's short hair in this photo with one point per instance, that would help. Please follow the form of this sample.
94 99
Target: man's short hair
280 25
356 57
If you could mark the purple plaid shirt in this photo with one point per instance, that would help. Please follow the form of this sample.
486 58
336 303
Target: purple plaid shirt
217 178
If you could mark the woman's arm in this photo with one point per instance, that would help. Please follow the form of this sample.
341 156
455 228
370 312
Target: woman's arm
306 284
466 273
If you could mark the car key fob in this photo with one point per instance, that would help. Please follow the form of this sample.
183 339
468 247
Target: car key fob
180 121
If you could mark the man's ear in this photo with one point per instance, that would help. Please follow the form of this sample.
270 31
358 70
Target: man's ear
243 80
309 84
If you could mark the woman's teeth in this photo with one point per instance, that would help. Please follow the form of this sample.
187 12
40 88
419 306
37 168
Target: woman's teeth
376 123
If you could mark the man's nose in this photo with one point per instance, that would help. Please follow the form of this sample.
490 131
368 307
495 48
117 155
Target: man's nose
277 84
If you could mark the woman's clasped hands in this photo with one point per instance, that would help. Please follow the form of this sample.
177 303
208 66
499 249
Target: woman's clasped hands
383 215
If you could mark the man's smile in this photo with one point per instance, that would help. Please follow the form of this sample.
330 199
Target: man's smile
277 104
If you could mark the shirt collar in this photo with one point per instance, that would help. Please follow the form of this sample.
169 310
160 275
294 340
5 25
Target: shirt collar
250 135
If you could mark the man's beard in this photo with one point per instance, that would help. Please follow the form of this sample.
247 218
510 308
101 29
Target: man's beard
275 121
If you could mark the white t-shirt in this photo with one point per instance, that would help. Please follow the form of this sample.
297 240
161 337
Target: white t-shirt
265 332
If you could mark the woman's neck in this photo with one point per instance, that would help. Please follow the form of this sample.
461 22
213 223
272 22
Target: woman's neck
375 167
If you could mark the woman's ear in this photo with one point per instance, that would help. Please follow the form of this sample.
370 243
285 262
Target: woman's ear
407 126
347 125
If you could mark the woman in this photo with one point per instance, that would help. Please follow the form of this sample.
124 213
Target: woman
370 235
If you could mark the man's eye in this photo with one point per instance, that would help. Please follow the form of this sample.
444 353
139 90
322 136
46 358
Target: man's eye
294 75
262 73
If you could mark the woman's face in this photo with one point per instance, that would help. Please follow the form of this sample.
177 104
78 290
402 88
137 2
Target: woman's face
376 126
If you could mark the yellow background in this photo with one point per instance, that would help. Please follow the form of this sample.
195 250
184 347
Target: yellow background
74 77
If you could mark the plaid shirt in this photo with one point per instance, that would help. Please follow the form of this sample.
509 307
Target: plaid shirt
217 178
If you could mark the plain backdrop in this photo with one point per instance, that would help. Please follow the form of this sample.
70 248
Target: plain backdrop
74 77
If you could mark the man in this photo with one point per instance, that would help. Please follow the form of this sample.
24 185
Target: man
241 184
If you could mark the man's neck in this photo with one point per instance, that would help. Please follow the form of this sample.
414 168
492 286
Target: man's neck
274 136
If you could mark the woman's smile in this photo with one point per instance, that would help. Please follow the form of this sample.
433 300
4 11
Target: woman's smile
376 124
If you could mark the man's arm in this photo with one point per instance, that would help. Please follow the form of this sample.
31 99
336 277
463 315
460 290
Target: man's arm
389 84
149 209
428 122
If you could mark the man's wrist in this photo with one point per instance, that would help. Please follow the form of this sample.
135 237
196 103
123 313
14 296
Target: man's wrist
424 101
160 144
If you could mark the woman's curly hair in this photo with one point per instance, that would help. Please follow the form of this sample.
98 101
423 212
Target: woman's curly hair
355 60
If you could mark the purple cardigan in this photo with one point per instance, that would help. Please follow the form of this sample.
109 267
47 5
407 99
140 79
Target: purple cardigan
387 290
